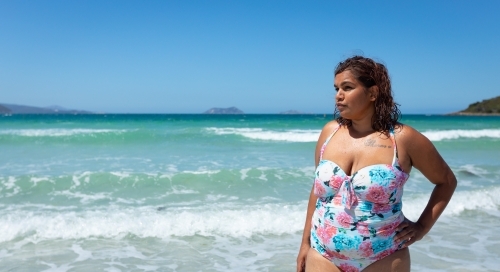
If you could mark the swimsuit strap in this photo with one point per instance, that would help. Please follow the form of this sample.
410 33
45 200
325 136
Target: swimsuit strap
326 142
395 160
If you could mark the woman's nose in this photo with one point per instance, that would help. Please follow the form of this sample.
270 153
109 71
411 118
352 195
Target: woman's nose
339 96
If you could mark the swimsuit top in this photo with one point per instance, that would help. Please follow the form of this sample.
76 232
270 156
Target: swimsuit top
377 185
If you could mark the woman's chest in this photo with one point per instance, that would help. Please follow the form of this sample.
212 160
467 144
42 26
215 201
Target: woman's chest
377 183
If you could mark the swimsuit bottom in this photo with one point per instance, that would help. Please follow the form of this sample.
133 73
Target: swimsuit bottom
354 248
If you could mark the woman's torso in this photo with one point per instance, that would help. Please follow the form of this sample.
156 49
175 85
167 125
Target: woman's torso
356 215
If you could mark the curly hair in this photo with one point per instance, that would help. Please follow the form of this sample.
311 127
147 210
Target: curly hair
371 73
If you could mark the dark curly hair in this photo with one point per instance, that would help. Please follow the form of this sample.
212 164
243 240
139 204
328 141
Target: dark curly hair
371 73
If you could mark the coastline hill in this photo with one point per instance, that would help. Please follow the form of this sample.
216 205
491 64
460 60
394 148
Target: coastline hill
231 110
22 109
4 110
485 107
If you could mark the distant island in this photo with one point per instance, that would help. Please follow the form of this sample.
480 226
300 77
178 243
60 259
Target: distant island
231 110
485 107
22 109
291 112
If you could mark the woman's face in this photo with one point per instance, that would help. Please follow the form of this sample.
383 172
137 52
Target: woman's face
353 100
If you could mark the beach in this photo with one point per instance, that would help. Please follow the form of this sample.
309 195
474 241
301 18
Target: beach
197 192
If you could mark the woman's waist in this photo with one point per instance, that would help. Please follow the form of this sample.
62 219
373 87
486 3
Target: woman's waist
361 207
339 216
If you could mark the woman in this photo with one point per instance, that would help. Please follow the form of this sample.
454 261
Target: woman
354 220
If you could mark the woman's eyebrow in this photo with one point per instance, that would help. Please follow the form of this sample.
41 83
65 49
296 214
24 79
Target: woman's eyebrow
347 81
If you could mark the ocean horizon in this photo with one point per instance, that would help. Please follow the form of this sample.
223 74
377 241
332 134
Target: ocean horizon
59 110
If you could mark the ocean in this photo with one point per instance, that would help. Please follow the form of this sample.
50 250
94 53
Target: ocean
212 192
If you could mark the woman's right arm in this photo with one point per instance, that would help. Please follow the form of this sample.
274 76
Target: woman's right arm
306 243
311 206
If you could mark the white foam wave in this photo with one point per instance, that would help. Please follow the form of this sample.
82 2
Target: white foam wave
120 175
293 135
78 177
58 132
10 184
213 217
209 220
472 170
84 198
202 172
298 135
485 200
439 135
244 173
82 254
36 180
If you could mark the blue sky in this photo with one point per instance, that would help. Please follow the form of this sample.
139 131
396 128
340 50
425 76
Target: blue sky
260 56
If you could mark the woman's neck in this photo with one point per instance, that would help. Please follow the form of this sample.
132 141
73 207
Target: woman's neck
361 127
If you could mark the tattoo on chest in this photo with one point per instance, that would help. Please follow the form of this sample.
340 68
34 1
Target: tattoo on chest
371 142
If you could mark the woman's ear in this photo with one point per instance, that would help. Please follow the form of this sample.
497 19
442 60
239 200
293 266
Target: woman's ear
373 92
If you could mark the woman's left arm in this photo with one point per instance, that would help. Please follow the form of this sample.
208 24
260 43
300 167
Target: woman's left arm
428 161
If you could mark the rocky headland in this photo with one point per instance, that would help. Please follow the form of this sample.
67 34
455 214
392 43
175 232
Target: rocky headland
485 107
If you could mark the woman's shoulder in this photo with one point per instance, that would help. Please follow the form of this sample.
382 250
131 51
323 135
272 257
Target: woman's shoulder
409 136
330 127
404 132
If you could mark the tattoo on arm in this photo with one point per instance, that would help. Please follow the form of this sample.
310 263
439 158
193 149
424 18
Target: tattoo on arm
371 142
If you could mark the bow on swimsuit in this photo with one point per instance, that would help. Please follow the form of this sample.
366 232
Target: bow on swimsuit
356 216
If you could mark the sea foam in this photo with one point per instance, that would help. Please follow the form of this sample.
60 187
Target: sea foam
114 222
294 135
439 135
297 135
58 132
484 200
217 218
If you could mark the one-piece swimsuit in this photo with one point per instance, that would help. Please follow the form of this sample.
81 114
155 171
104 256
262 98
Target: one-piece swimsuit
356 216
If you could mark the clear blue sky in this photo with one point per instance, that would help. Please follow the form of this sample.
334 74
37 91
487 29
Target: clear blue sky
260 56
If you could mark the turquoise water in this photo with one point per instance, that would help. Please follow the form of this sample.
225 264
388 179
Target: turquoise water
211 192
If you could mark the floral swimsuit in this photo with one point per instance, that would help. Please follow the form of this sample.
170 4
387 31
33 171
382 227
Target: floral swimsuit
356 216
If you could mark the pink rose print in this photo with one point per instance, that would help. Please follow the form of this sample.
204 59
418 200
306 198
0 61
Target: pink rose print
393 186
347 268
344 219
319 190
363 229
384 254
326 233
366 248
321 211
376 194
336 182
401 178
330 254
337 200
381 208
388 230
